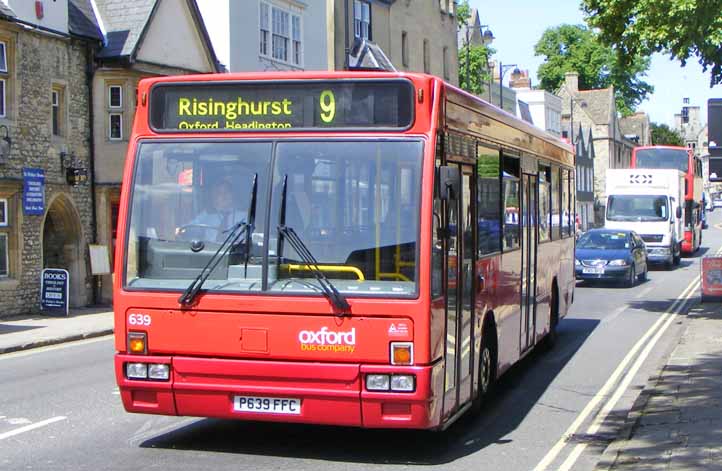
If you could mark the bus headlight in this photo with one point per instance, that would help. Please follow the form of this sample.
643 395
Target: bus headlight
402 383
158 371
377 382
136 371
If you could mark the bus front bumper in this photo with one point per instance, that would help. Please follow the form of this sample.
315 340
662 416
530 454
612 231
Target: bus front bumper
331 394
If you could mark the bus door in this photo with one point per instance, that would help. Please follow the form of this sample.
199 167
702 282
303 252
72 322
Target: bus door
529 216
460 292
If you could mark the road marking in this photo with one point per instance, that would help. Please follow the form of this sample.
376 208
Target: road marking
604 413
571 430
30 427
50 348
644 292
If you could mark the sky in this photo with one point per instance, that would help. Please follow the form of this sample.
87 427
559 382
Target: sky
517 25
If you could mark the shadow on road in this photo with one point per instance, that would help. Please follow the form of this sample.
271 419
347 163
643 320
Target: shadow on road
516 393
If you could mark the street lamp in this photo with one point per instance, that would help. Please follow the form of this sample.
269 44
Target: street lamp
486 38
502 70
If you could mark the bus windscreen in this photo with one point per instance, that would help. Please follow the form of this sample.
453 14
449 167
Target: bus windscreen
662 158
281 106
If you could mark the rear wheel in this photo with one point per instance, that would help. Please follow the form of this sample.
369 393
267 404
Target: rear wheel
552 336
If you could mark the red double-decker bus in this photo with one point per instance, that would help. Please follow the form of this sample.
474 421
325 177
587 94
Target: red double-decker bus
679 158
360 249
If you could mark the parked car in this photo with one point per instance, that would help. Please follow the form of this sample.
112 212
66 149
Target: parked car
611 254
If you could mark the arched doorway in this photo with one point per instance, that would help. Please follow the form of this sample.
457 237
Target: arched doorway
62 246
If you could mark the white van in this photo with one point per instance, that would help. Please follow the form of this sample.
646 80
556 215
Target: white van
649 202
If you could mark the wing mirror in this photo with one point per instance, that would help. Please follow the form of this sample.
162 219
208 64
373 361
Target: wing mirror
447 183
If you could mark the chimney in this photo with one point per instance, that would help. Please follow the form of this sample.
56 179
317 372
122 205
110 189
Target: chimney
571 80
520 80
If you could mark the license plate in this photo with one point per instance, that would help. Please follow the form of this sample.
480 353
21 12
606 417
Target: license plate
593 271
267 405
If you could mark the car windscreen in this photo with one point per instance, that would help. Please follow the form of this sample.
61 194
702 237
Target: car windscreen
604 240
637 208
662 158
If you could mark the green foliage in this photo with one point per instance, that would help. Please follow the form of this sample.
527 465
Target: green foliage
576 48
474 73
680 28
463 12
475 77
663 135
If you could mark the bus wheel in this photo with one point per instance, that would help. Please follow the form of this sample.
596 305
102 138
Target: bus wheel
487 368
552 336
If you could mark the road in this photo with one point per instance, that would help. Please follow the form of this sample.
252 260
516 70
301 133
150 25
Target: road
60 409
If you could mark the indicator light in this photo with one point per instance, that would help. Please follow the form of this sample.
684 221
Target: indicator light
402 353
137 343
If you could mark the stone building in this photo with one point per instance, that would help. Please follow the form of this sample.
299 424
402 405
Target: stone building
402 35
48 219
68 74
545 108
596 110
636 128
142 38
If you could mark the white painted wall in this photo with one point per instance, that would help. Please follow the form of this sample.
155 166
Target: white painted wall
545 109
55 13
173 39
244 25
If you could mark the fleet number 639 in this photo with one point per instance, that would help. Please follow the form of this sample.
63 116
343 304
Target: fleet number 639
139 319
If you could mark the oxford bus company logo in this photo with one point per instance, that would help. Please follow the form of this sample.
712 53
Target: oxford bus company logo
325 340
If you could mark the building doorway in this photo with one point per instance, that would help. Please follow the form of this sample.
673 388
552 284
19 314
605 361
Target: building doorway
63 247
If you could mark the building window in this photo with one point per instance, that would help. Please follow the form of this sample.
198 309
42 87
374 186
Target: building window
427 58
115 96
404 48
4 258
4 75
284 30
362 19
445 60
296 36
58 114
116 126
265 33
3 212
280 34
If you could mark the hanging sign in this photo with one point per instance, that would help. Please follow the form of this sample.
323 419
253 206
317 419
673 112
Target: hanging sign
33 191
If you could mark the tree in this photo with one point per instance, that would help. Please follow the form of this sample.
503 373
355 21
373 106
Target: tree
662 135
680 28
576 48
474 71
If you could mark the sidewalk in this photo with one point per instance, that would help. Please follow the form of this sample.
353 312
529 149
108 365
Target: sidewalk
21 333
676 422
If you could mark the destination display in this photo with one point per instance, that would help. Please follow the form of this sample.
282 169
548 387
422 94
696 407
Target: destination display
281 106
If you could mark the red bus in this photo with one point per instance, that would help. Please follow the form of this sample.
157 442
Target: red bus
395 245
680 158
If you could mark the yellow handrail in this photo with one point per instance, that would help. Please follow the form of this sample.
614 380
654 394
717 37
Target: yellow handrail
329 268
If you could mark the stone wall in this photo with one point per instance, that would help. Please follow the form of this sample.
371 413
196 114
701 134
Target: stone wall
39 63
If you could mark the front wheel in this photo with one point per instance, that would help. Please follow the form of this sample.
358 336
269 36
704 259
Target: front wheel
487 371
643 275
676 254
631 277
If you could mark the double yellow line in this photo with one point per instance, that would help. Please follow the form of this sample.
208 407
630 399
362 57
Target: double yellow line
654 332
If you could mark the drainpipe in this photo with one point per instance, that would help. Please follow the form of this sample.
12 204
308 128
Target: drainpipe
347 50
89 72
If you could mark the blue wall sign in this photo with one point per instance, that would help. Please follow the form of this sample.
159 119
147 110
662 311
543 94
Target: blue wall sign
33 191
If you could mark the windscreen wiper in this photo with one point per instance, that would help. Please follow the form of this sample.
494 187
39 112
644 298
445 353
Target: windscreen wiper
251 224
286 232
235 233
